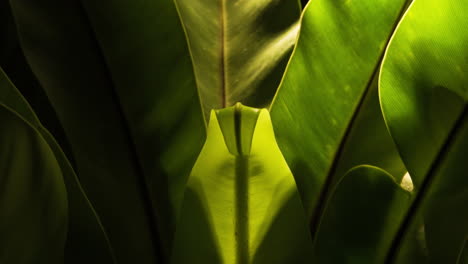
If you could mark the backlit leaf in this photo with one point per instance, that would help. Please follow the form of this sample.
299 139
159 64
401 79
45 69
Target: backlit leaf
241 206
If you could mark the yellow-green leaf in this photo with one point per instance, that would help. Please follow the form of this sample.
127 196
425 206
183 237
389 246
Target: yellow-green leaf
241 206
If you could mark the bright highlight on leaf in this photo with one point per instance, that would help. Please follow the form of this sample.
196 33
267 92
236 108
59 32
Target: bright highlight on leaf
241 206
406 182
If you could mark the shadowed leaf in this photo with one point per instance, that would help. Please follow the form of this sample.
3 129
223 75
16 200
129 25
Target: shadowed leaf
424 92
86 239
362 217
33 199
130 113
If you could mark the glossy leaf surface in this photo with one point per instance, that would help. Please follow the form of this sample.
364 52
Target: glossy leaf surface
242 207
362 217
86 239
239 48
33 199
423 90
339 47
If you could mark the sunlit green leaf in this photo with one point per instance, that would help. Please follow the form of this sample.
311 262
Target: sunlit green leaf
239 48
33 199
424 92
329 75
241 206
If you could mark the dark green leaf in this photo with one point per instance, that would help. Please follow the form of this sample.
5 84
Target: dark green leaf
362 217
12 61
86 239
122 85
154 81
33 199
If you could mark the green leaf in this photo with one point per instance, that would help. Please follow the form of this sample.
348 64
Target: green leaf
241 206
13 62
239 49
369 142
86 238
119 76
362 217
324 89
33 199
424 92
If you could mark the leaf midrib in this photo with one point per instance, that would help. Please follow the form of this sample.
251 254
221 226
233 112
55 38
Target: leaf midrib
222 57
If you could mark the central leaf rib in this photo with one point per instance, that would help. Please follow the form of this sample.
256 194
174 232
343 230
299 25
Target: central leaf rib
222 57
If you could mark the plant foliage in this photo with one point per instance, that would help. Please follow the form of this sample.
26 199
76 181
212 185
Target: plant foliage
249 131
